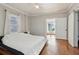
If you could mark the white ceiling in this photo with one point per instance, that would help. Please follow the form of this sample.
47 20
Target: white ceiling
45 8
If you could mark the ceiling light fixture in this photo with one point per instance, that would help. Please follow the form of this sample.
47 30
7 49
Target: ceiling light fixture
37 6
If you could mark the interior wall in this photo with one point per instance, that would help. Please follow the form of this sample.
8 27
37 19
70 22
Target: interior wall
8 22
61 26
38 25
73 25
76 17
71 29
26 24
23 22
2 19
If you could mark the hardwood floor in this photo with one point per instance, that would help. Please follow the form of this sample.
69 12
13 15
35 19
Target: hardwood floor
59 47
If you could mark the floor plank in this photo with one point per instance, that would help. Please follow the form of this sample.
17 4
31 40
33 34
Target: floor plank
59 47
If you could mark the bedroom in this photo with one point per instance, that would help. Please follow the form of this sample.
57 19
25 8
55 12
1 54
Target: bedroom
25 29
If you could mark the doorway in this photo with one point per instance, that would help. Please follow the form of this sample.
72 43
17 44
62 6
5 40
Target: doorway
51 28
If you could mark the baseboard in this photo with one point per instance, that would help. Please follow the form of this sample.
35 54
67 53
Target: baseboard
61 38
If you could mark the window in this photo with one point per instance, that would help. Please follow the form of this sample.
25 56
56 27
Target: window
51 25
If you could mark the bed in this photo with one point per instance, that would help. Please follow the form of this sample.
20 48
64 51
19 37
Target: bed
23 44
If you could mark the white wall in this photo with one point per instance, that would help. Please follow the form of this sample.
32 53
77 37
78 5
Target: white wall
26 24
38 25
21 22
8 24
61 24
24 19
71 29
2 20
73 25
76 29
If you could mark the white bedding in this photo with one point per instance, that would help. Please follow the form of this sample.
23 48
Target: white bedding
26 43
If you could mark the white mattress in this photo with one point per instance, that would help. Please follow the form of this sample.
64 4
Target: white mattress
26 43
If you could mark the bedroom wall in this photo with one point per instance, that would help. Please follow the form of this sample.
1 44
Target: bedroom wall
73 29
61 24
24 20
73 25
2 20
76 30
38 25
24 23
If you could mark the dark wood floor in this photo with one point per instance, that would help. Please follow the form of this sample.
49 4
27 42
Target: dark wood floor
59 47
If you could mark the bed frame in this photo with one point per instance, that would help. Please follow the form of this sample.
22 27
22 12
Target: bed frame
1 39
5 49
8 50
43 48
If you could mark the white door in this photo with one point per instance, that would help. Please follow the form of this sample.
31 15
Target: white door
61 26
